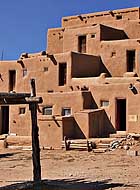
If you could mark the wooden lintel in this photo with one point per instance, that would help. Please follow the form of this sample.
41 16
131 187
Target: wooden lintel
12 101
34 99
15 101
14 95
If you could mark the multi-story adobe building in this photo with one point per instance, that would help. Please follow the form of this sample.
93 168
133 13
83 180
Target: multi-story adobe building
89 79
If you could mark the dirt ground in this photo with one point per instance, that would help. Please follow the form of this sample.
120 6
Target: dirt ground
73 170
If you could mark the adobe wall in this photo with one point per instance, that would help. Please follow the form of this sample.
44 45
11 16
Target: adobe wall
115 30
50 132
5 67
19 124
85 65
96 124
100 17
82 120
91 124
68 127
128 27
88 100
43 68
114 57
74 100
71 37
63 126
111 93
55 40
109 33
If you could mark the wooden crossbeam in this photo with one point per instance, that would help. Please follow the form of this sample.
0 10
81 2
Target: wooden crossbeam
13 98
14 95
18 98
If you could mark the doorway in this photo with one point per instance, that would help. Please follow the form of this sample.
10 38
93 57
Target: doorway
5 119
82 44
130 60
62 74
120 114
12 80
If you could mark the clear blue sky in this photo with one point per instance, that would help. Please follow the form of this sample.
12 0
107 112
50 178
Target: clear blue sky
24 23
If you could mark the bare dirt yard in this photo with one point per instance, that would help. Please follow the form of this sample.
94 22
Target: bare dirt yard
73 170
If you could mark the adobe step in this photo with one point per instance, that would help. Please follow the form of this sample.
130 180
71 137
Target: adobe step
100 150
102 145
119 134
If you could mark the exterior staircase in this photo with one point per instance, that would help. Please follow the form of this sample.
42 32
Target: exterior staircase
97 145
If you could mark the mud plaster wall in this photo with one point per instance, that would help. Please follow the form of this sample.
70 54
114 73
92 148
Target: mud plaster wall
74 100
20 124
68 127
99 17
55 40
50 131
85 65
96 124
114 56
111 92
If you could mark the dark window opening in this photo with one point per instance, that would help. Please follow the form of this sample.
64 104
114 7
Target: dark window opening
66 111
130 60
12 80
50 91
62 74
82 44
113 54
93 35
45 69
118 17
47 110
22 110
121 114
5 119
104 103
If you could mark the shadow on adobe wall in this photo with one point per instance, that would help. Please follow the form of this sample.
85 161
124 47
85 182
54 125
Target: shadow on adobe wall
109 33
108 127
78 133
103 69
88 101
65 184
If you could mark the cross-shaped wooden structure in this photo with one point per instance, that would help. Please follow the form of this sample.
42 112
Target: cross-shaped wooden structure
13 98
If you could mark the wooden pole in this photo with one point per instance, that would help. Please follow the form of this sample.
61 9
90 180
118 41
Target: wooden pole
35 139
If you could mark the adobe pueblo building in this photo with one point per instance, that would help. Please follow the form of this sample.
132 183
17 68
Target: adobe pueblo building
89 79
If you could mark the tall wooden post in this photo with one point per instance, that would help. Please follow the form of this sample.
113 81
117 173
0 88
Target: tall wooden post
35 139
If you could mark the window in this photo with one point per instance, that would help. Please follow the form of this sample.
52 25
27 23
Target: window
62 74
22 110
82 44
66 111
12 80
45 69
130 60
113 54
93 35
104 103
24 72
47 110
118 17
